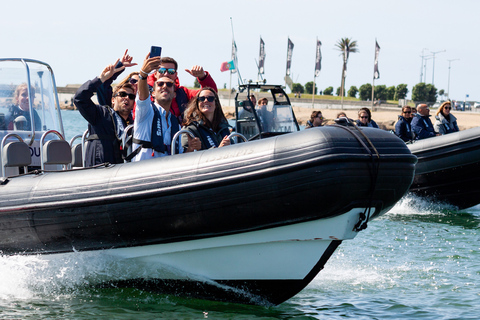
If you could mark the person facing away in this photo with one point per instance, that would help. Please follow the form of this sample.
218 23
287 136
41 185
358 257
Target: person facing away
445 121
168 68
316 120
18 117
204 117
421 124
105 125
365 118
403 128
155 125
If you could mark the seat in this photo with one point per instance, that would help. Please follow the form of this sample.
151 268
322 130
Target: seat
77 160
57 152
16 154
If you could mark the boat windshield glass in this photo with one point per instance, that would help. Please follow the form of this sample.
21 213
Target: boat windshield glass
267 112
27 97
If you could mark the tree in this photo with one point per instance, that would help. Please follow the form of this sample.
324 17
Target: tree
196 84
297 87
352 92
391 93
380 92
309 87
401 91
365 91
346 46
338 93
328 91
424 92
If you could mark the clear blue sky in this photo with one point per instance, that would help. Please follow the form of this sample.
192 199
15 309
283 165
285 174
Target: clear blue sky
78 39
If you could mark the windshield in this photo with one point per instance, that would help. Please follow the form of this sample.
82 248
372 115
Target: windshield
264 113
27 98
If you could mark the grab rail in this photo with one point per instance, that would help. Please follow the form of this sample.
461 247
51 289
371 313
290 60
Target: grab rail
175 137
236 134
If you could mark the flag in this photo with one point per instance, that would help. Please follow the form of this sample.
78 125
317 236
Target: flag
234 57
261 57
318 59
227 65
376 74
289 56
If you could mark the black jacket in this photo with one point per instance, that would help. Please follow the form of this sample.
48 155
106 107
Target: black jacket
208 137
103 145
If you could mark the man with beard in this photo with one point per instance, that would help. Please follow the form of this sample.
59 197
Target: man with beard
105 126
155 123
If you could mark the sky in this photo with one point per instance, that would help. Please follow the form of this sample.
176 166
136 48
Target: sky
79 38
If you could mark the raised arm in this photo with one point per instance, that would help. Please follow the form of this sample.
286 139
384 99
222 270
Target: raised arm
149 64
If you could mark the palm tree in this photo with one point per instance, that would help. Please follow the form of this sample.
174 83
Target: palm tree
346 46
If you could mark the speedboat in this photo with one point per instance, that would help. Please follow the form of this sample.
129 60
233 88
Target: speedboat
448 168
252 223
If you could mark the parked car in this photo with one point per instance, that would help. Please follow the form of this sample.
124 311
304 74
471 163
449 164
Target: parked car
476 105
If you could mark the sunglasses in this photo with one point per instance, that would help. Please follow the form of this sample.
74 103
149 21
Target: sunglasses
363 117
123 94
407 111
168 84
170 70
209 99
447 108
132 80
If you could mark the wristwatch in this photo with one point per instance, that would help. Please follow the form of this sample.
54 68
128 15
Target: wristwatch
141 77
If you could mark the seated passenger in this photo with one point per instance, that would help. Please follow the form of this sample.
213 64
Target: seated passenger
316 120
403 128
105 125
204 117
18 117
445 121
155 125
266 117
168 68
365 119
421 124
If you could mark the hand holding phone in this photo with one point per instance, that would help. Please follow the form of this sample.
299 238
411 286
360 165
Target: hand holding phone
155 51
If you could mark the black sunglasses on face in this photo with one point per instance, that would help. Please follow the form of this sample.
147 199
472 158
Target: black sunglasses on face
168 84
447 108
123 94
407 111
209 99
170 70
132 81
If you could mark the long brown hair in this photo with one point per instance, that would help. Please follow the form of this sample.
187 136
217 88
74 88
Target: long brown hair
193 113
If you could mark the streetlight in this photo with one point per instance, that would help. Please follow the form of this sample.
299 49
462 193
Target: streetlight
433 71
448 88
425 68
421 66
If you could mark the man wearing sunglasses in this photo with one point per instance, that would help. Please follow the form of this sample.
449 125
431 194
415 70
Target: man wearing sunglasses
155 124
169 68
105 125
403 129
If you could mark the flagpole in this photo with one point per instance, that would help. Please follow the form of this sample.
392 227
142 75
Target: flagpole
314 76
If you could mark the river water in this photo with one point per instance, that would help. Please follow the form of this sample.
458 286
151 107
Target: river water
419 261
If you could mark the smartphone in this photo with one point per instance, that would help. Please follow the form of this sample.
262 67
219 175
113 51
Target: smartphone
155 51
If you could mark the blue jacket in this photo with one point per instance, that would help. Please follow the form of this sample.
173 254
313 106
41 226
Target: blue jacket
371 124
403 129
422 127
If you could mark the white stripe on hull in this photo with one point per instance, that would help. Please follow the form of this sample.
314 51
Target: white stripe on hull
286 253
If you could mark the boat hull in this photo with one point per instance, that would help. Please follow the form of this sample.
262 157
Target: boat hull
448 168
271 191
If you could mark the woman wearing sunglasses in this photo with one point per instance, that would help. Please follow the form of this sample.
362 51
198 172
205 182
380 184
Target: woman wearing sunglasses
205 119
445 121
365 118
403 129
